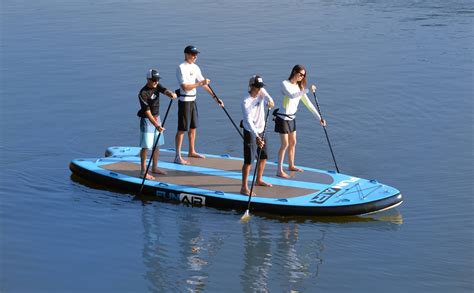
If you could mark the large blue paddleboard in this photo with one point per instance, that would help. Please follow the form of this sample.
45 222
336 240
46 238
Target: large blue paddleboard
215 182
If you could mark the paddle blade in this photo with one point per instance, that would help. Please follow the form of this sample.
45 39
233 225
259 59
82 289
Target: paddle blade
246 217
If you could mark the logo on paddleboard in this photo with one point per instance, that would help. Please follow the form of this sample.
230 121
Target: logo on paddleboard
192 199
185 198
325 195
329 192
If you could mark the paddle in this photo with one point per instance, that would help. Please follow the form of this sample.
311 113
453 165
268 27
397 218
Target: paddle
154 147
313 89
217 100
246 216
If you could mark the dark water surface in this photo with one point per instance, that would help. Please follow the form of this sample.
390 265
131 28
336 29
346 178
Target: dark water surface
395 83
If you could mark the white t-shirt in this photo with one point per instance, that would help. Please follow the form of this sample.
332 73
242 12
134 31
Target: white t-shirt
188 73
292 94
253 110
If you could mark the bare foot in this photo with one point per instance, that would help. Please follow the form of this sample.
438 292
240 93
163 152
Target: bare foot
246 192
148 176
293 168
196 155
159 171
263 183
181 161
282 175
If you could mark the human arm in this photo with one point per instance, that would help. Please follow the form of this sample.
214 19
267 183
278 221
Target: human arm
288 89
154 121
167 92
205 85
208 89
170 94
191 86
267 98
312 109
247 105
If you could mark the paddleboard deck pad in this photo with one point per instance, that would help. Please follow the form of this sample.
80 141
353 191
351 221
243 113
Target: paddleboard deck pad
215 181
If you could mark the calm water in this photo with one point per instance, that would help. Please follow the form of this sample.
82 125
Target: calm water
395 83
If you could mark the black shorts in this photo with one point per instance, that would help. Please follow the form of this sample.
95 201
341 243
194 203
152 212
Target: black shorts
284 126
187 115
247 149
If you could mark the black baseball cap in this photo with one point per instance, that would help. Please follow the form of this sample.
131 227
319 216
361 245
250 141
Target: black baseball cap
256 81
153 74
191 50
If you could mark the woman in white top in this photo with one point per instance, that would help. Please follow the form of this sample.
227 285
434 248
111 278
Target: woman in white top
294 90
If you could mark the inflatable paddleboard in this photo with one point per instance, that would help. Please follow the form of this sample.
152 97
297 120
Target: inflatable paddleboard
216 180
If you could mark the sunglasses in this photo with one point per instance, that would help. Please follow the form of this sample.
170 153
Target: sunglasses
301 74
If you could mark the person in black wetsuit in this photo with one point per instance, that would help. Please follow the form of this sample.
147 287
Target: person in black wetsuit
150 123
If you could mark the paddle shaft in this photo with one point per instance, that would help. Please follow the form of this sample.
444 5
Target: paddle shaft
154 146
258 161
230 118
325 131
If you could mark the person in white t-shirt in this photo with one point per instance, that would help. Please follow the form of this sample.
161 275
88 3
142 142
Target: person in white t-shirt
294 90
253 110
189 78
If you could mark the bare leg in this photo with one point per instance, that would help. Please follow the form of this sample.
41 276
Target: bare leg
281 155
179 142
245 179
291 152
155 163
192 139
143 155
261 168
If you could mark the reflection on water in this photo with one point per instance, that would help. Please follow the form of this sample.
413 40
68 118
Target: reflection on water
271 253
276 259
390 218
274 252
301 262
192 245
257 258
177 252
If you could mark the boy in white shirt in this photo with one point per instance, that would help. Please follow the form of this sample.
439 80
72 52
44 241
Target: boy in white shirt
253 110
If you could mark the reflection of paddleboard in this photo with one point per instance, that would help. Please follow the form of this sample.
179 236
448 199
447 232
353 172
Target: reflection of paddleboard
215 181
